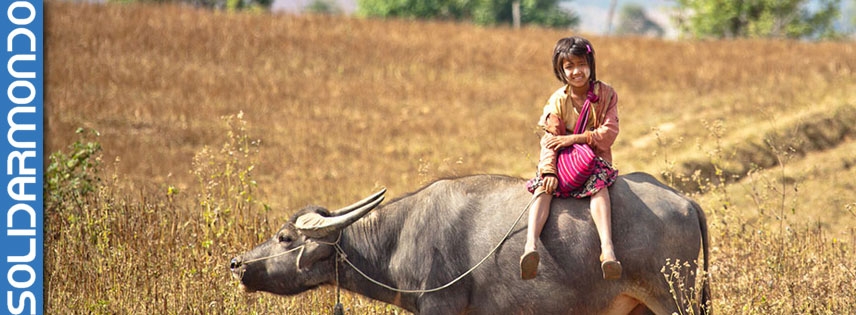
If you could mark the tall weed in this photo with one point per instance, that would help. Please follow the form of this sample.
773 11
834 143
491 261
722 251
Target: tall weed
226 184
763 260
108 248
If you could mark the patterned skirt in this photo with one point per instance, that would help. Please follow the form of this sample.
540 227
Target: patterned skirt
604 175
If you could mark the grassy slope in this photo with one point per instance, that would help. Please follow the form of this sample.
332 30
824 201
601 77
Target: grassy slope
333 99
342 105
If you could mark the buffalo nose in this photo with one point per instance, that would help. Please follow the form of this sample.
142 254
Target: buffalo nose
235 263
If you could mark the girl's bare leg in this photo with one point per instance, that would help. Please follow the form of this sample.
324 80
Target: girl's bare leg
538 213
601 213
602 216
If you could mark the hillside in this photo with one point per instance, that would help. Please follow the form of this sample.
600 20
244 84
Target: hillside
335 99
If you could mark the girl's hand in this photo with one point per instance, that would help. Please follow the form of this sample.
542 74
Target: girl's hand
550 183
556 143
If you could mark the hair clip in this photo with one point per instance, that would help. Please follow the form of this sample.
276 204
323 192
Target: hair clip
588 49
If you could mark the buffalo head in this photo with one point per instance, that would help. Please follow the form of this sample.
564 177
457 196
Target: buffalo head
301 255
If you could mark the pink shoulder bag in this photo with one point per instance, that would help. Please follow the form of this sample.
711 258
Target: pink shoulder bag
575 164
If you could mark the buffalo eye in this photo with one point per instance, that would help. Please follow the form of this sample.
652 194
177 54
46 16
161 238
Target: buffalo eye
285 238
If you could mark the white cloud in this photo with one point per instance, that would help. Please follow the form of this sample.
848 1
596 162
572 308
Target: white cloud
594 14
295 6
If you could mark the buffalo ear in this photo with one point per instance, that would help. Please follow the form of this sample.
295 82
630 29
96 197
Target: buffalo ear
317 226
308 256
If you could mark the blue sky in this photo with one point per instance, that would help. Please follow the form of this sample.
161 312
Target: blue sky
593 13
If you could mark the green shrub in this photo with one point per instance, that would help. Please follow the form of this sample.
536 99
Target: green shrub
72 175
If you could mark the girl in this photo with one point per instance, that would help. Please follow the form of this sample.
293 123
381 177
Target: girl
574 65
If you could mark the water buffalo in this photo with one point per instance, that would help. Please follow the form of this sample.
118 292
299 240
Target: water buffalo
428 238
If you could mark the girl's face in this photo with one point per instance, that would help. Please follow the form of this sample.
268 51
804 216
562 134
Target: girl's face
577 70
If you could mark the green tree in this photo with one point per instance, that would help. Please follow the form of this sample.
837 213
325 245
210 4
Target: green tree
634 21
757 18
482 12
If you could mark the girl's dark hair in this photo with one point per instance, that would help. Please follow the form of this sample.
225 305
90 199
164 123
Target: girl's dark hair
576 46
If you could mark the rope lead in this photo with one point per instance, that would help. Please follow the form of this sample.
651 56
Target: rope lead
388 287
338 309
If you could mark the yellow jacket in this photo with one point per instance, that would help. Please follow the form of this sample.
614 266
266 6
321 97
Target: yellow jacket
602 128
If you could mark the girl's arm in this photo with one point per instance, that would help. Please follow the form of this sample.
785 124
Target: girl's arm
555 143
547 166
602 137
547 162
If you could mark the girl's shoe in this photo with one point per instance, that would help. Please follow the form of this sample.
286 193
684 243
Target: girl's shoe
611 269
529 265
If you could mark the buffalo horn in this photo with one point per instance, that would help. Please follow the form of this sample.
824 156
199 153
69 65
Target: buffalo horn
358 204
317 226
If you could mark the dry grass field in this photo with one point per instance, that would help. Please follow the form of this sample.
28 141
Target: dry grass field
213 127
